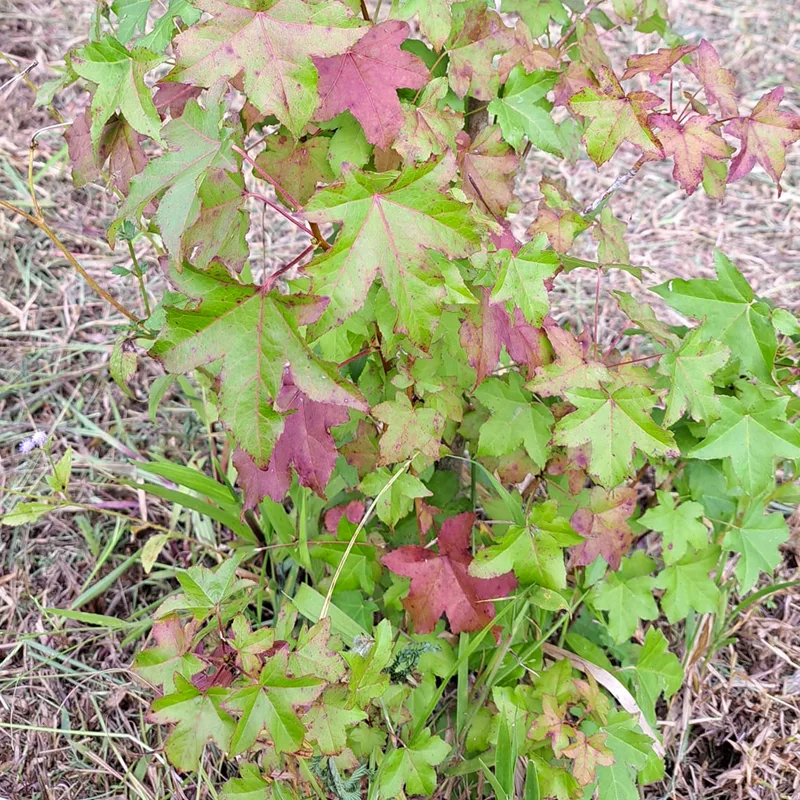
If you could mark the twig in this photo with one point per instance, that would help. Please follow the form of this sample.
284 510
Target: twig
20 76
582 16
634 361
267 285
596 311
321 240
48 231
285 214
137 271
618 183
365 12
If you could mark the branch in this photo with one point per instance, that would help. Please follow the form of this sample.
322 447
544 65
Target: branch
618 183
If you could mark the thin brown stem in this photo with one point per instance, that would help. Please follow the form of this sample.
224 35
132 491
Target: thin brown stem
284 269
579 18
365 352
365 12
285 214
618 183
321 240
47 230
596 311
634 361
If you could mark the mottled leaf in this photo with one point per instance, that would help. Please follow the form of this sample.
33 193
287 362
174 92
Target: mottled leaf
719 83
657 64
430 127
488 166
604 526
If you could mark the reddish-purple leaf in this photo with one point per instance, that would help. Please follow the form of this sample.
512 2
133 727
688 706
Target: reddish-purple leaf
558 217
765 135
576 77
440 582
366 78
483 333
172 97
353 511
363 451
605 526
297 166
526 344
718 82
689 143
505 240
305 444
527 52
657 64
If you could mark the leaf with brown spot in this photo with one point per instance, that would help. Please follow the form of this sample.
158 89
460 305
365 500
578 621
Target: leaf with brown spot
557 217
719 83
527 52
604 524
296 166
587 753
362 451
690 143
657 64
488 166
410 431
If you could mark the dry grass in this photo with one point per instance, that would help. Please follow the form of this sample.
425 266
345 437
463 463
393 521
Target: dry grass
732 732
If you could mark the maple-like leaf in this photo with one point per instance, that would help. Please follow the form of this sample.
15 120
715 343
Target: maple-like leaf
552 724
201 148
254 334
587 753
535 552
368 676
609 232
764 135
690 143
352 512
305 443
313 656
200 718
488 166
527 53
120 145
269 706
328 719
537 13
515 420
573 79
398 501
657 672
643 316
627 596
657 64
297 166
615 117
732 314
364 80
272 47
441 583
522 279
478 35
756 537
430 127
362 451
412 767
688 585
681 526
604 526
718 82
409 431
690 370
119 75
752 432
172 98
573 367
522 112
614 423
435 18
174 652
132 16
252 647
557 217
389 222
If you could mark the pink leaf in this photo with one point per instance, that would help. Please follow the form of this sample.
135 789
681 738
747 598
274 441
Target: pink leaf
353 511
718 82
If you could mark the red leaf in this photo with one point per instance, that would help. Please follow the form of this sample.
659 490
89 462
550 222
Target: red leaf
657 64
688 144
441 584
505 240
365 81
353 510
605 527
718 82
172 97
305 444
483 334
525 344
576 77
765 135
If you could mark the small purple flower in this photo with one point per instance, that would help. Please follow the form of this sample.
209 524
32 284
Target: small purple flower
26 445
37 440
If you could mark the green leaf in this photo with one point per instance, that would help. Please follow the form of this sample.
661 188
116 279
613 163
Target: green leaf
521 279
24 513
690 370
412 766
119 75
312 655
536 14
348 144
255 334
515 420
173 654
199 172
615 424
534 552
398 501
271 45
429 127
409 432
521 113
269 706
752 433
785 322
732 314
367 676
328 719
657 672
379 212
681 526
62 472
435 19
688 586
132 18
199 718
627 596
251 786
756 537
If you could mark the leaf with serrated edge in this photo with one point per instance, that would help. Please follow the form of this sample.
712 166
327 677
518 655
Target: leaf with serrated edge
681 527
688 585
756 538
